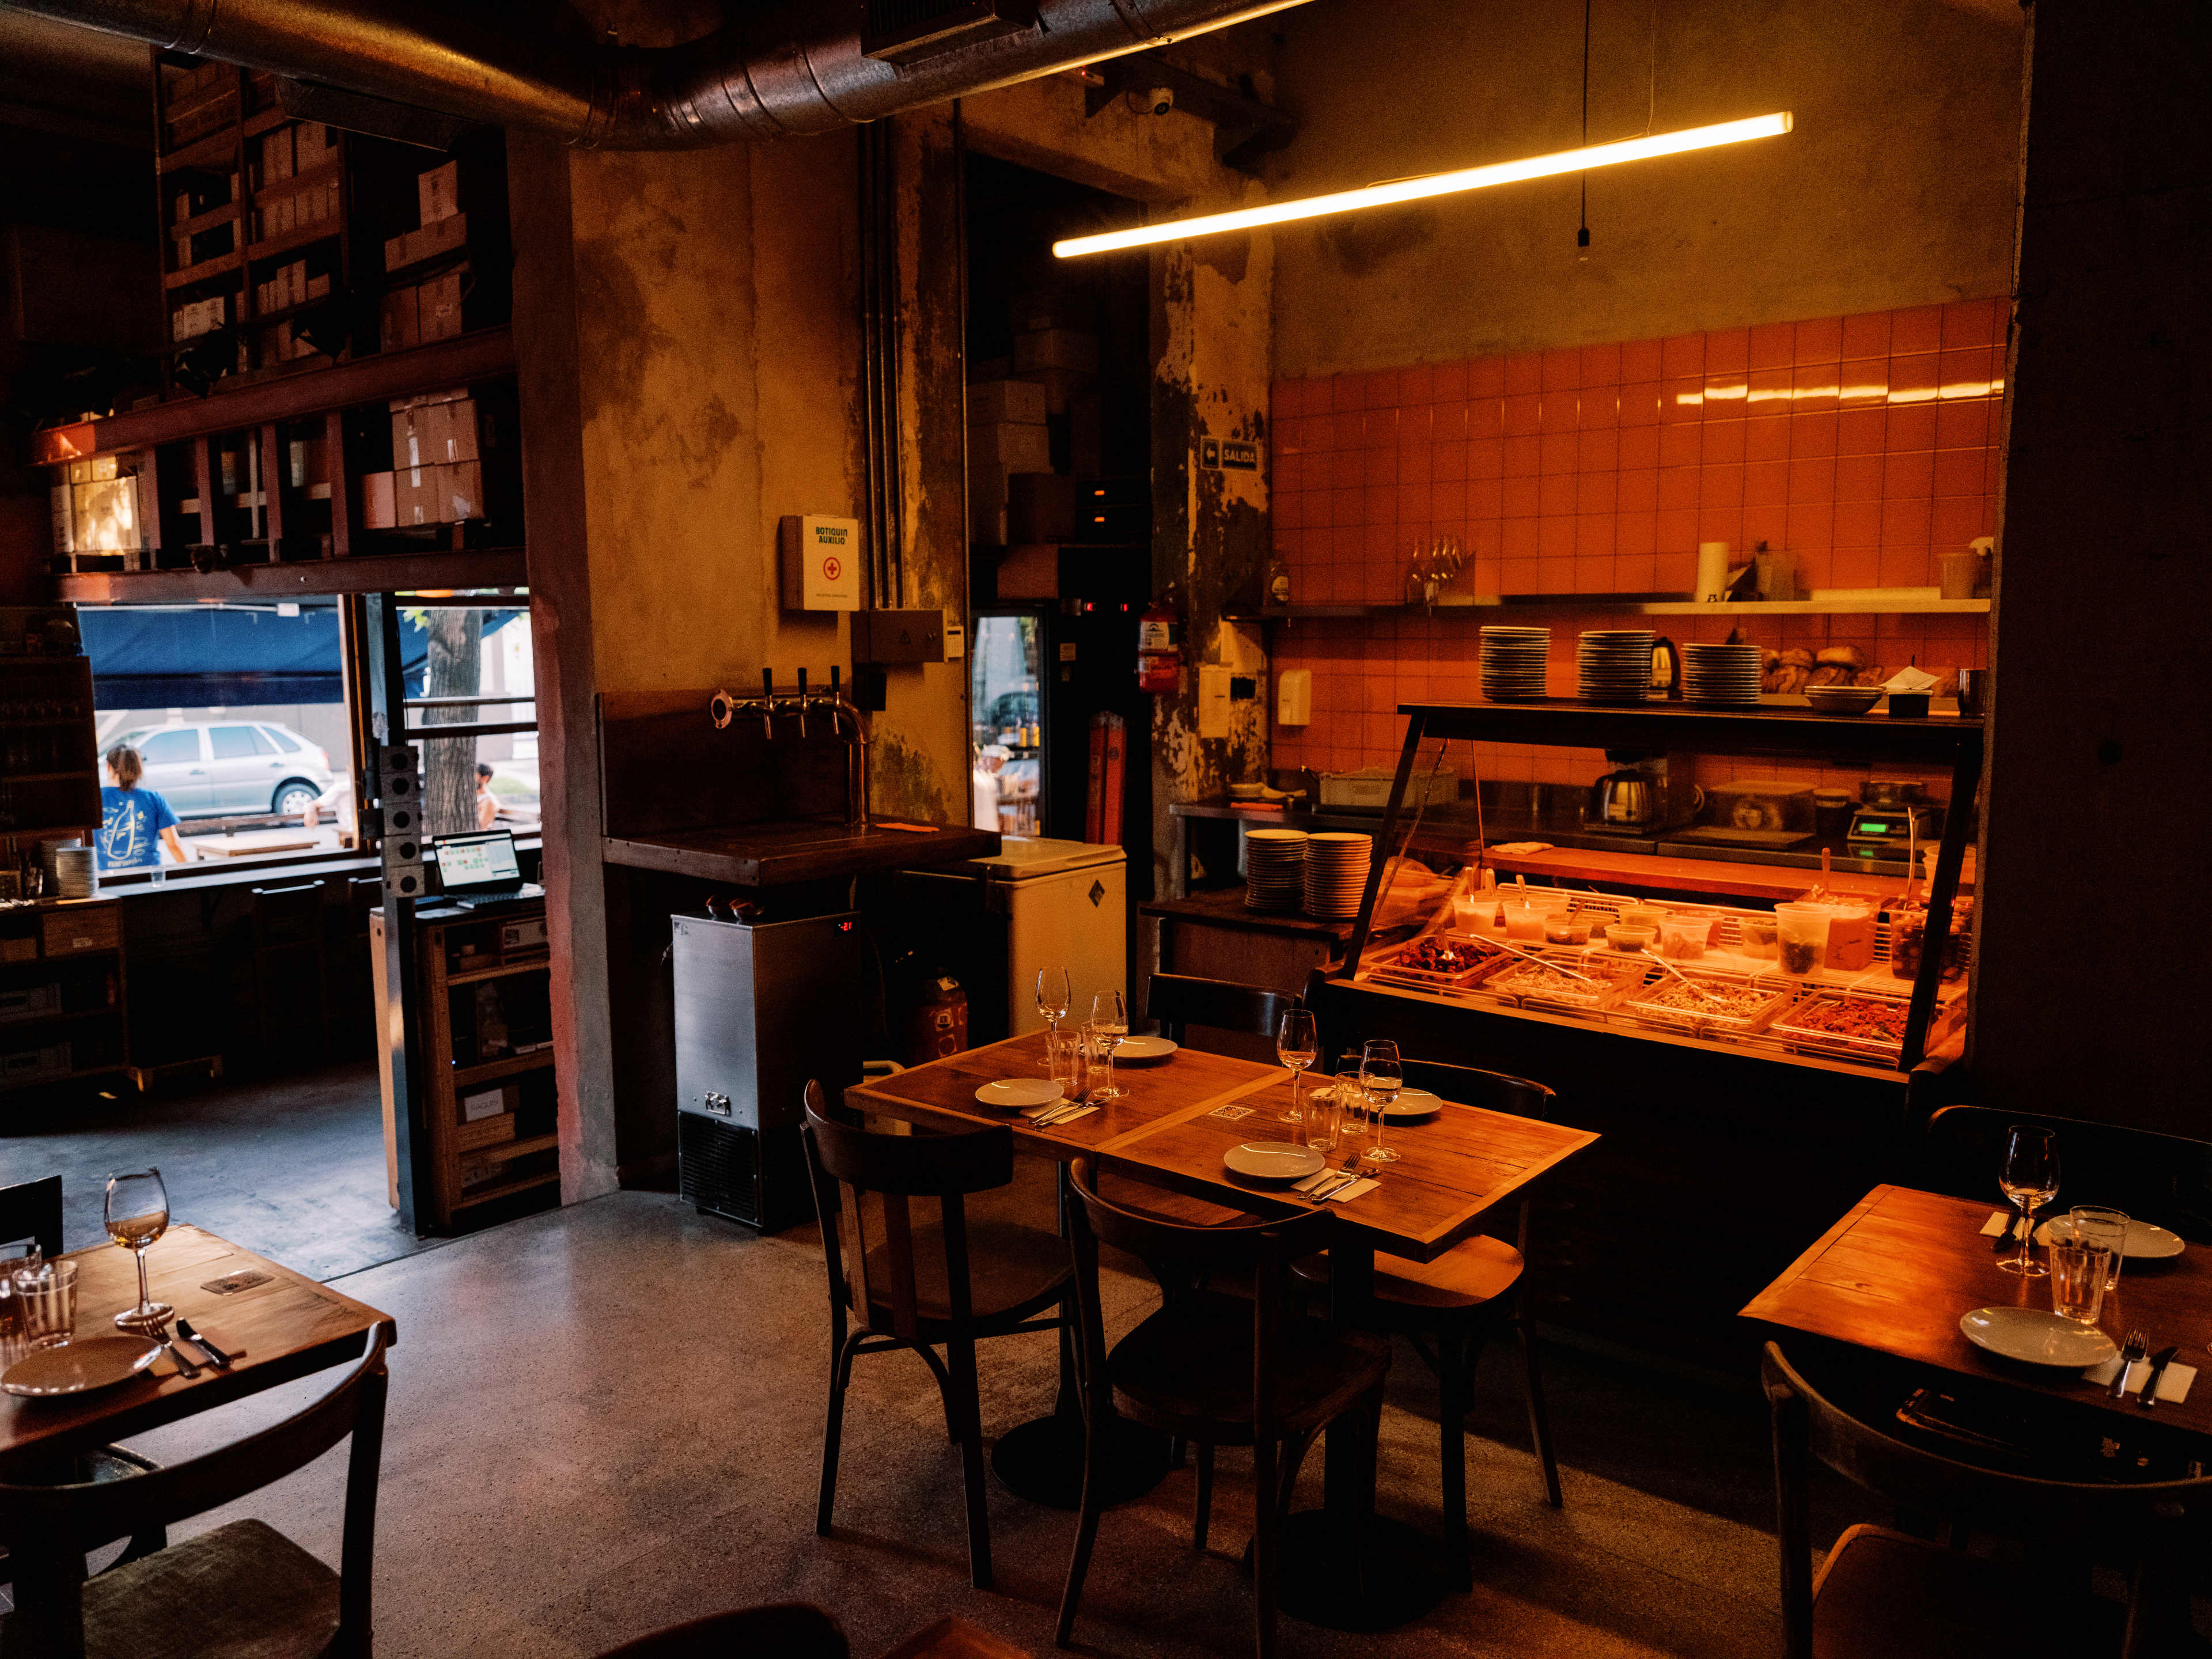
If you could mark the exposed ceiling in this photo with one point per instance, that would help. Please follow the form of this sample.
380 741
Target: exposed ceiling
76 82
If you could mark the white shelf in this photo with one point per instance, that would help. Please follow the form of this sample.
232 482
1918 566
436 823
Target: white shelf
1869 606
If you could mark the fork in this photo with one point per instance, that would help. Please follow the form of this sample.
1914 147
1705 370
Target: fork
2136 1345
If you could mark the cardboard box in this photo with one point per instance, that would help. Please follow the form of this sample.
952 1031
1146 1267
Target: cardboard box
398 327
275 156
993 401
987 505
1061 386
395 251
1040 507
1010 446
460 492
1056 348
442 237
440 192
415 496
379 508
440 303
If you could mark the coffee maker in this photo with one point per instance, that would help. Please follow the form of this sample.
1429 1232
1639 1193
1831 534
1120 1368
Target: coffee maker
1633 800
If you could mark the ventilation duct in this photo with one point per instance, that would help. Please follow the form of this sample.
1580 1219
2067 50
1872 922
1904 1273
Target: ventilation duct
789 67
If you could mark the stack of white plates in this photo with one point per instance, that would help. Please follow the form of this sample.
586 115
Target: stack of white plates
1336 873
1613 664
1274 869
1720 673
1512 663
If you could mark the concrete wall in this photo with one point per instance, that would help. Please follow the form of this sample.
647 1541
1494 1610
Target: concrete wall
1894 189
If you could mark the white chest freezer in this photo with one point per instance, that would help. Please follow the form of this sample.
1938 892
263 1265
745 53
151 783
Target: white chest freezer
1064 904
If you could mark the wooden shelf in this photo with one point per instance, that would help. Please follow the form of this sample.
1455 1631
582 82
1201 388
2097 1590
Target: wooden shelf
361 573
467 1076
208 220
216 153
505 1151
207 270
66 1077
472 976
507 1189
1646 604
291 241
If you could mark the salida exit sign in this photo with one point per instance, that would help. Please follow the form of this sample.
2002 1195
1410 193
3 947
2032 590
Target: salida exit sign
820 557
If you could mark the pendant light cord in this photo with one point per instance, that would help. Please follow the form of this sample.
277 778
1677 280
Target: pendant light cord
1581 236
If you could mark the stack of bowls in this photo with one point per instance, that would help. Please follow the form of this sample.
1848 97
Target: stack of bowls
1336 873
1274 869
1613 664
1721 674
1512 663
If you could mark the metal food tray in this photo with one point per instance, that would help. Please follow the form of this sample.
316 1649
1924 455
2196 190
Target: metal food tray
1621 976
1636 1007
1880 1049
1391 971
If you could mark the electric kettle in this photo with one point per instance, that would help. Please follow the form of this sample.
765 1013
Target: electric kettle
1626 799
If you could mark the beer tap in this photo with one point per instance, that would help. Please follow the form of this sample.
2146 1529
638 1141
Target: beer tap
802 700
768 704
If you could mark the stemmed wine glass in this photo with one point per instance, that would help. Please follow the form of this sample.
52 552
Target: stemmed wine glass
1382 1076
1297 1045
2029 1178
1053 995
1110 1024
137 1213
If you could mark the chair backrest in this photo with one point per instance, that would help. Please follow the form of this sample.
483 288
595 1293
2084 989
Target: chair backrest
1259 1252
2156 1178
33 1209
292 913
1179 1001
849 1166
47 1529
1470 1085
788 1630
1809 1426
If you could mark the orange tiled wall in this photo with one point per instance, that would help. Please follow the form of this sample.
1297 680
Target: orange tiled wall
1866 445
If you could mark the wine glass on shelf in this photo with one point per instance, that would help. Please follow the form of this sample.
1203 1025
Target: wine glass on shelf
1110 1024
1297 1045
1380 1075
1054 996
2029 1178
137 1213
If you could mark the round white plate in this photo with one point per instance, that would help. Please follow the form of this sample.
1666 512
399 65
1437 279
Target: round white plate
95 1362
1414 1102
1012 1094
2037 1336
1273 1160
2146 1241
1143 1049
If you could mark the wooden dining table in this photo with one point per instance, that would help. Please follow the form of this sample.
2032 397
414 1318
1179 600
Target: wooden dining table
1177 1117
1892 1277
278 1324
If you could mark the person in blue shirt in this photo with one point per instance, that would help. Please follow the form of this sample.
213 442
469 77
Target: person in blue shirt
135 823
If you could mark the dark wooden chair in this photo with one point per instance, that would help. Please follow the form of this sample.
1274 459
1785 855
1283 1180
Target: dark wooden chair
1179 1001
1885 1592
2167 1179
291 981
1216 1369
242 1588
1450 1306
788 1630
900 1281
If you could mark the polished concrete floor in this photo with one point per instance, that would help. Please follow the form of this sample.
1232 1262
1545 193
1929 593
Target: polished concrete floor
606 1418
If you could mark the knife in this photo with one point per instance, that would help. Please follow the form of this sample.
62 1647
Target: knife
186 1369
2159 1362
216 1357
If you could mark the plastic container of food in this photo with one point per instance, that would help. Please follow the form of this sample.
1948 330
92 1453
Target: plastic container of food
1682 938
1567 930
1800 937
1758 935
1851 937
1625 936
1524 921
1475 912
1642 915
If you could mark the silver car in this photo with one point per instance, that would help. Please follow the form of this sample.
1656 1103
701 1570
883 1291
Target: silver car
230 768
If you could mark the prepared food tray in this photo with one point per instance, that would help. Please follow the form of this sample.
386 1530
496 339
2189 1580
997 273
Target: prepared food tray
1855 1027
1439 963
1564 981
1707 1003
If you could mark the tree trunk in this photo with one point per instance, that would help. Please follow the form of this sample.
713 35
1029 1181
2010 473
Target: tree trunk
454 669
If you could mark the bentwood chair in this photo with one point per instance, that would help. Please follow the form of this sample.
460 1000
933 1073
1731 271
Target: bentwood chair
788 1630
1216 1369
2167 1179
1450 1306
1179 1001
243 1588
902 1280
1884 1593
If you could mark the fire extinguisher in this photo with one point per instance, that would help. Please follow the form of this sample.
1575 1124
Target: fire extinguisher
1159 645
939 1026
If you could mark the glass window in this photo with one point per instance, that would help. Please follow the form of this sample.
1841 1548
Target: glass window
239 742
460 660
284 740
180 744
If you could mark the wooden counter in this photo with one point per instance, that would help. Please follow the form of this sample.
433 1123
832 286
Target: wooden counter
1213 935
775 855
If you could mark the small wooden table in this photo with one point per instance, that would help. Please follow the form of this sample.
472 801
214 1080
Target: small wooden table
285 1327
1894 1276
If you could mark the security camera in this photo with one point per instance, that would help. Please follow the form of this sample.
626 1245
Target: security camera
1157 101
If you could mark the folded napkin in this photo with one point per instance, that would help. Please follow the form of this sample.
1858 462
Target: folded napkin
1911 679
1344 1193
2173 1386
1999 1221
1071 1118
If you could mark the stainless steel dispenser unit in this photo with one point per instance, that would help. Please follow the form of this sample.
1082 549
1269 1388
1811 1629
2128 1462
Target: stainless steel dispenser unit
760 1008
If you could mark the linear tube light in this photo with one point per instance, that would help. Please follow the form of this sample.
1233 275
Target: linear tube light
1435 184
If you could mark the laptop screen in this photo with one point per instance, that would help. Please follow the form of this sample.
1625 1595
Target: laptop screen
472 863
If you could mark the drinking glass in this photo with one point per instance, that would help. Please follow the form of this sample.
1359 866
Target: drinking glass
2094 1223
1053 994
2077 1278
1324 1116
1297 1045
2029 1178
138 1214
1067 1060
1380 1075
1110 1024
47 1293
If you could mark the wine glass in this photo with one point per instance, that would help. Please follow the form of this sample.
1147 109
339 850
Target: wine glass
1110 1024
137 1213
1380 1075
1053 995
2029 1178
1297 1045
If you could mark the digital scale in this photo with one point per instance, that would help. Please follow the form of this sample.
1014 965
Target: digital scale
1892 831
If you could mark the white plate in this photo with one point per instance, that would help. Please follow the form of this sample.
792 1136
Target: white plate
2037 1336
1142 1047
1273 1160
1414 1102
2146 1242
96 1362
1013 1094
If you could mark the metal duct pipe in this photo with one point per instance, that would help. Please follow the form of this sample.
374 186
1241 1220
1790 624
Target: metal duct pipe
790 67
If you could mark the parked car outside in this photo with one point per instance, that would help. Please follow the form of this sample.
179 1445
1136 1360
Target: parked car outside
230 768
